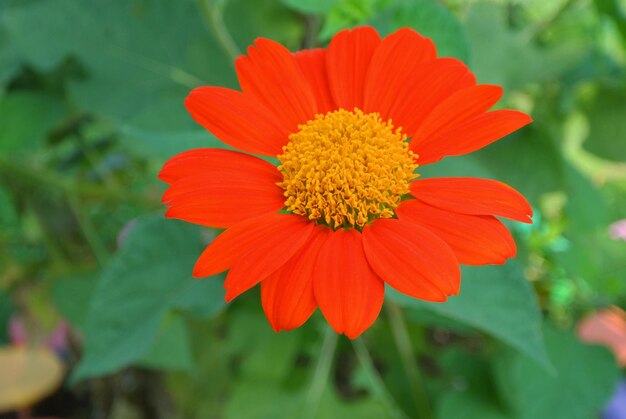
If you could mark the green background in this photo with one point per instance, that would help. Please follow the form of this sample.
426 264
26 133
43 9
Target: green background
91 96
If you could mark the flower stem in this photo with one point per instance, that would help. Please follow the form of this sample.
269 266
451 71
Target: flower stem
321 374
377 383
401 336
213 18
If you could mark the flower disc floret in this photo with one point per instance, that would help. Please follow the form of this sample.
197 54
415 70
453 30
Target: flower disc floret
346 168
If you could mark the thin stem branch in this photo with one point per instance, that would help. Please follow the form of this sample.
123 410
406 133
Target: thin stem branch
84 189
214 19
89 231
377 383
403 342
311 29
542 26
321 374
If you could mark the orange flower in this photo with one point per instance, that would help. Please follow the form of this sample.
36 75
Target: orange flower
342 213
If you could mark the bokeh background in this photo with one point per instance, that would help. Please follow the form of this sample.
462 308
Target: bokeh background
100 318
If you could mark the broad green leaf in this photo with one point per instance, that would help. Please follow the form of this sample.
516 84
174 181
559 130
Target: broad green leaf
584 380
586 207
162 145
497 300
528 160
204 298
25 118
72 297
171 349
607 124
136 53
432 19
136 289
467 405
507 57
9 60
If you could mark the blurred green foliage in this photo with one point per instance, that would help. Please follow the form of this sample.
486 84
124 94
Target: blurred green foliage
91 106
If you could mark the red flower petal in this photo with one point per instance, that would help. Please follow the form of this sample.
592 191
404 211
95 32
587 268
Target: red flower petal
287 294
348 292
238 240
411 259
460 106
427 86
347 60
469 136
213 160
473 196
224 188
239 121
270 252
475 239
270 74
394 64
312 63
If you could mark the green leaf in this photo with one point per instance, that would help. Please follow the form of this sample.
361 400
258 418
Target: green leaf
467 405
171 349
584 380
497 50
203 298
162 145
136 289
72 296
137 54
9 60
437 22
497 300
528 160
25 118
586 206
607 124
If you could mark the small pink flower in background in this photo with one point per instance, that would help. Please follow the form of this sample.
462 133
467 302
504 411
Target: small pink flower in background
617 230
57 341
17 331
606 327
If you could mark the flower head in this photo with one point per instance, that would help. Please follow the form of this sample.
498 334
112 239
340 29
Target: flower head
344 211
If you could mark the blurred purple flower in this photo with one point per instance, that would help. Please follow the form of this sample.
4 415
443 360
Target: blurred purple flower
617 230
58 340
616 408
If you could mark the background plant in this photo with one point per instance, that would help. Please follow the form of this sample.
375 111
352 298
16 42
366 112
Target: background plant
91 106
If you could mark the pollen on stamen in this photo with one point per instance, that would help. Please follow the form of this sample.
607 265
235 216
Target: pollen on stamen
346 168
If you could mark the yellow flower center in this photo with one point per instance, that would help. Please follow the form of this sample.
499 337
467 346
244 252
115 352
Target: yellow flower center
345 169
